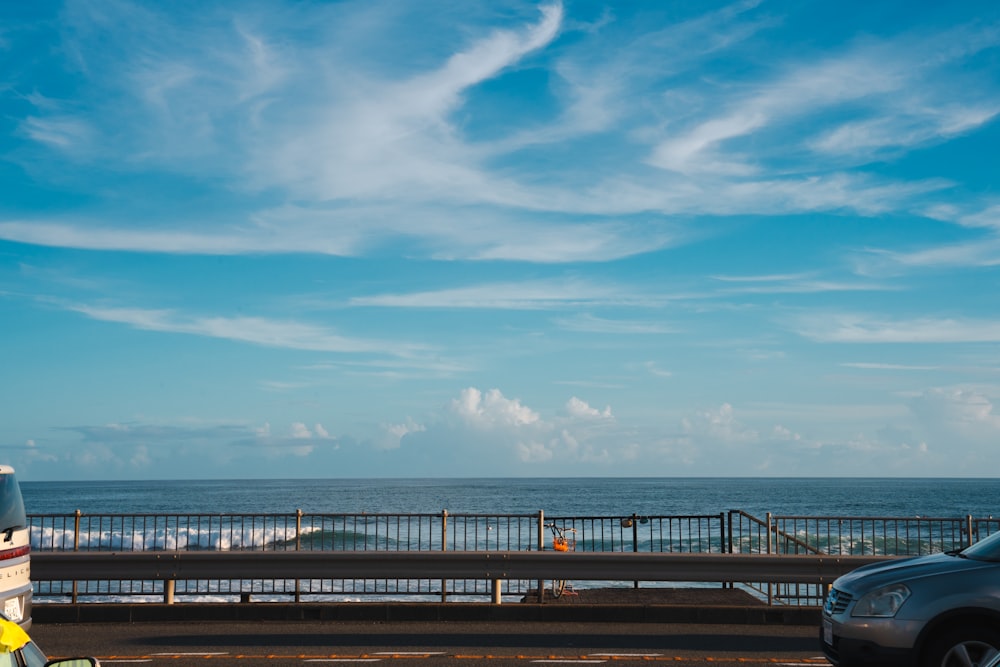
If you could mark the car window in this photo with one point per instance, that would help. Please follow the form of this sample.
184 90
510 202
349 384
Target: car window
987 549
10 498
33 656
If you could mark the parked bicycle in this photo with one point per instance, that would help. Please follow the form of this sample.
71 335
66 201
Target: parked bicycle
563 539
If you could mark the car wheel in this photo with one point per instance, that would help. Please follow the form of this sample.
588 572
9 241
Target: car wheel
962 647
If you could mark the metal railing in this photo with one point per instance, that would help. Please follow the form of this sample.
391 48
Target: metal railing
494 567
733 532
857 536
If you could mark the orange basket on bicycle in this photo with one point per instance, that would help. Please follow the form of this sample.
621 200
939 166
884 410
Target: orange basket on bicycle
560 541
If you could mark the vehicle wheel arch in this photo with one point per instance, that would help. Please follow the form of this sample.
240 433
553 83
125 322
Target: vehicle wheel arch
956 618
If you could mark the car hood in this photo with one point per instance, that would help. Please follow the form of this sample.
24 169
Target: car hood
869 577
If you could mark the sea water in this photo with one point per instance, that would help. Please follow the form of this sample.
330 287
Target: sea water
606 496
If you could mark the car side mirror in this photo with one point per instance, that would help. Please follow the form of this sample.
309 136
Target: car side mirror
74 662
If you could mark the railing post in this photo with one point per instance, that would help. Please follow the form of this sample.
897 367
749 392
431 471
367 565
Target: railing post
168 591
635 540
722 541
76 547
497 591
770 585
298 547
444 547
541 547
968 528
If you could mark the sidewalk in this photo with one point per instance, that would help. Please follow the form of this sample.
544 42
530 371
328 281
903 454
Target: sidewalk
644 605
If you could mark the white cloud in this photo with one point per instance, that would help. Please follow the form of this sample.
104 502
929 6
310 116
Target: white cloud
988 217
488 433
887 367
961 427
695 152
889 91
492 409
864 138
395 138
88 236
719 426
534 452
485 433
255 330
393 434
782 433
581 410
65 133
527 295
592 324
965 412
140 457
370 154
980 252
300 442
861 328
653 369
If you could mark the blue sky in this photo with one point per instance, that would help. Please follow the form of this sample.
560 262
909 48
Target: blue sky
383 238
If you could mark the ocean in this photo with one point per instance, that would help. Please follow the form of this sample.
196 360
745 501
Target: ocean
607 496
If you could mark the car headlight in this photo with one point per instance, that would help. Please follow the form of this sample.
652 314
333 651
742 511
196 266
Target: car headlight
882 602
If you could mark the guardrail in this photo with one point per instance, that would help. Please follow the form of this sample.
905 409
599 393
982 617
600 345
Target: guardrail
494 567
735 532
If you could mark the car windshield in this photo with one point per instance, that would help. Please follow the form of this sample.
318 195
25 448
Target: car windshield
986 549
33 656
11 504
30 654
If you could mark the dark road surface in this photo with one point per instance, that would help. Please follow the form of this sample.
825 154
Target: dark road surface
423 644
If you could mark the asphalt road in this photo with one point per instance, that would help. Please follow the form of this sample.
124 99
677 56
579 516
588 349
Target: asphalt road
422 644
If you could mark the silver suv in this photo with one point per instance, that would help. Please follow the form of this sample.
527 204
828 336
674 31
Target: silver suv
941 610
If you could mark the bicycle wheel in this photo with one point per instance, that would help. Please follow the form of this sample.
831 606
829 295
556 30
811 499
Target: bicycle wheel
558 586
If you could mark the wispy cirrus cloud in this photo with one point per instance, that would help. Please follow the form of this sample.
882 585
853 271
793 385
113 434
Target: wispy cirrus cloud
794 284
527 295
592 324
978 253
876 366
396 138
255 330
894 86
323 147
861 328
64 133
982 251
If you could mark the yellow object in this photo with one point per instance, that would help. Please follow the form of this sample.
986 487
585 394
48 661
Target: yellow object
12 637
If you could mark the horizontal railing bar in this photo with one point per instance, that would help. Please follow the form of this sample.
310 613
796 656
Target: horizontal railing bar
491 565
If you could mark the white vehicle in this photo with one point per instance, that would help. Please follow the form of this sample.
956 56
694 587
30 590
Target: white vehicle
15 558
